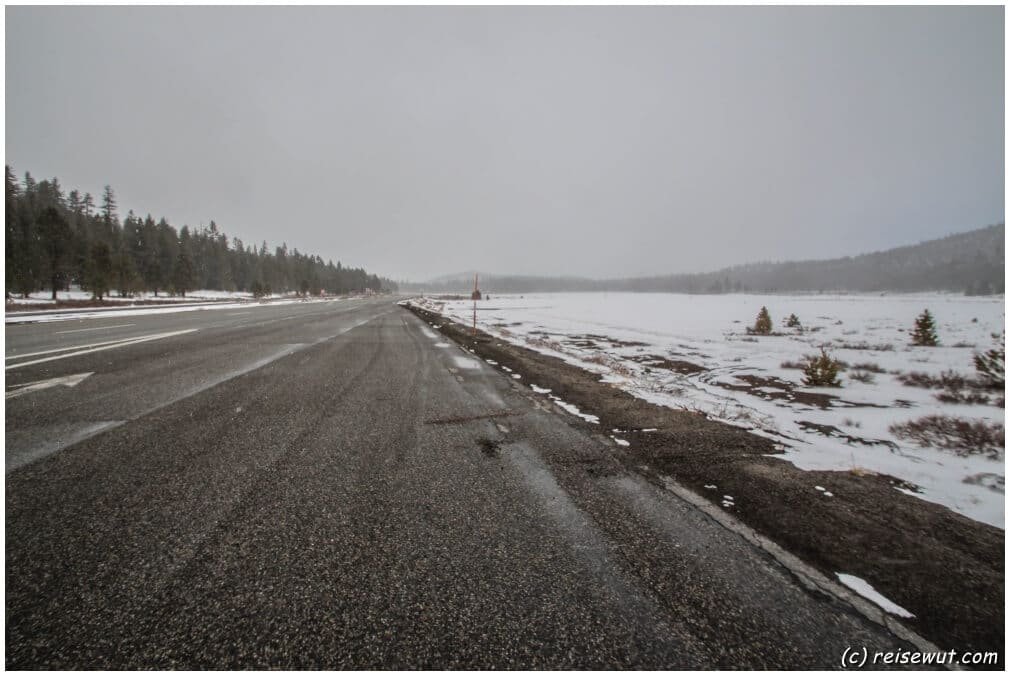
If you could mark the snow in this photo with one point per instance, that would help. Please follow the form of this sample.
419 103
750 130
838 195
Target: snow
45 297
129 310
592 331
864 589
574 410
465 362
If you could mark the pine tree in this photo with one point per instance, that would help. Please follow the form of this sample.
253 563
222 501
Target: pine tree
763 324
991 364
924 333
793 322
57 238
184 272
821 371
99 269
109 207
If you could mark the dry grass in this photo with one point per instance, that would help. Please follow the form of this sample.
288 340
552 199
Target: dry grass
948 380
879 347
962 436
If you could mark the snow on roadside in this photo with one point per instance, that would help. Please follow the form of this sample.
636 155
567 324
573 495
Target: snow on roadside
864 589
693 353
76 294
135 310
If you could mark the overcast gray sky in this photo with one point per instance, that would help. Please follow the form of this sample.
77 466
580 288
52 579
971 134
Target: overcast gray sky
589 141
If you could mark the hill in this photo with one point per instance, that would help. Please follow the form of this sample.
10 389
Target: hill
970 262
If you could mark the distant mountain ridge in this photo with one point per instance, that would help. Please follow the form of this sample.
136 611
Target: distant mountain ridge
970 262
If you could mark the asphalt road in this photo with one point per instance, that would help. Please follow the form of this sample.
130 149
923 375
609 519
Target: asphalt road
332 485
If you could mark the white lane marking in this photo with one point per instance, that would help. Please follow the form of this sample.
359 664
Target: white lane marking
66 349
134 341
66 381
236 314
97 328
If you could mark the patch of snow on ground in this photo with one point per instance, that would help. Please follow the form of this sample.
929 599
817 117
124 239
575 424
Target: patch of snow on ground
465 362
739 379
864 589
574 410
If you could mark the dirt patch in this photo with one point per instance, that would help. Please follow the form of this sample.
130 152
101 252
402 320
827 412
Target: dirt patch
769 387
654 361
832 431
946 569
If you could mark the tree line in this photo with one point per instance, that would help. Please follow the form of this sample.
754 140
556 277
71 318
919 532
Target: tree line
55 240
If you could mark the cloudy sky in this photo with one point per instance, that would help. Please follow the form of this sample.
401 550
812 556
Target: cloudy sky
588 141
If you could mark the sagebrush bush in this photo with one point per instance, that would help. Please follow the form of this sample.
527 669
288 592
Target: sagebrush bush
863 377
960 435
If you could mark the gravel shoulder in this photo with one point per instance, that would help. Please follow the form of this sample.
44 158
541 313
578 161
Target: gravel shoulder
944 568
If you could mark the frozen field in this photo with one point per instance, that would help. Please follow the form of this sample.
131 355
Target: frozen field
693 352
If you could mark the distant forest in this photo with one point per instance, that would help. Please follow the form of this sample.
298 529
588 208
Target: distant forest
970 262
55 240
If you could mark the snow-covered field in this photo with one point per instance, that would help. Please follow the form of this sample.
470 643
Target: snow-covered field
693 352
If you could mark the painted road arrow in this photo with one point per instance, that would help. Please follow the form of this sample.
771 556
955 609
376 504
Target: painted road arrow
67 381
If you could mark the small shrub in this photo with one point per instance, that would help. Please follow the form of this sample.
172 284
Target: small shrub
863 377
924 333
763 323
793 322
960 435
259 289
821 371
959 397
948 380
868 366
990 365
879 347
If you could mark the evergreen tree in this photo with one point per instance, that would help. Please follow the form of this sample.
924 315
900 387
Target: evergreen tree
924 333
821 371
763 323
109 208
11 190
57 237
184 272
99 269
991 364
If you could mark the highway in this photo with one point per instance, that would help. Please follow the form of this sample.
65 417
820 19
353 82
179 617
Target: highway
333 485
